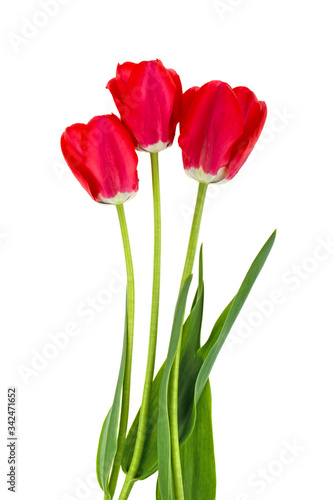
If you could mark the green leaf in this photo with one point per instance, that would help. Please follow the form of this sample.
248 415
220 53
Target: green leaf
163 429
203 361
195 366
225 322
108 440
197 453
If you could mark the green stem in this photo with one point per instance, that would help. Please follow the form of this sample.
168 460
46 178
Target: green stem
173 404
129 352
127 488
141 433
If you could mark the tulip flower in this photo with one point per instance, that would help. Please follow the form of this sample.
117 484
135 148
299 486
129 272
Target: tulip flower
102 157
148 97
218 130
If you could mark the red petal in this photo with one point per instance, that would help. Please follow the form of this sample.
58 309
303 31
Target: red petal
112 86
177 105
71 145
187 99
112 159
124 71
211 126
118 86
254 117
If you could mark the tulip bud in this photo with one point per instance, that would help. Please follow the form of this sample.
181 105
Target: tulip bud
148 97
102 157
219 128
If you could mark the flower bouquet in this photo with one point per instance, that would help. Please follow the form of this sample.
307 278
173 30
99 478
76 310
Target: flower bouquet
172 433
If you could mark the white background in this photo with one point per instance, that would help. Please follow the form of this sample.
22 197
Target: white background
272 384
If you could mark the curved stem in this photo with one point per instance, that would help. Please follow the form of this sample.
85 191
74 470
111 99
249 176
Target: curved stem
129 352
141 433
173 404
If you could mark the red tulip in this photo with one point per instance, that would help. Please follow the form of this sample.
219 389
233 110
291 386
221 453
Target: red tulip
102 157
148 97
218 130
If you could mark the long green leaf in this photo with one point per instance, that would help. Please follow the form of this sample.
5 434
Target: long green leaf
233 310
206 356
108 440
163 429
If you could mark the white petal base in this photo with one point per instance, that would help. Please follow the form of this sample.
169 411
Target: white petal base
199 175
118 199
156 148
